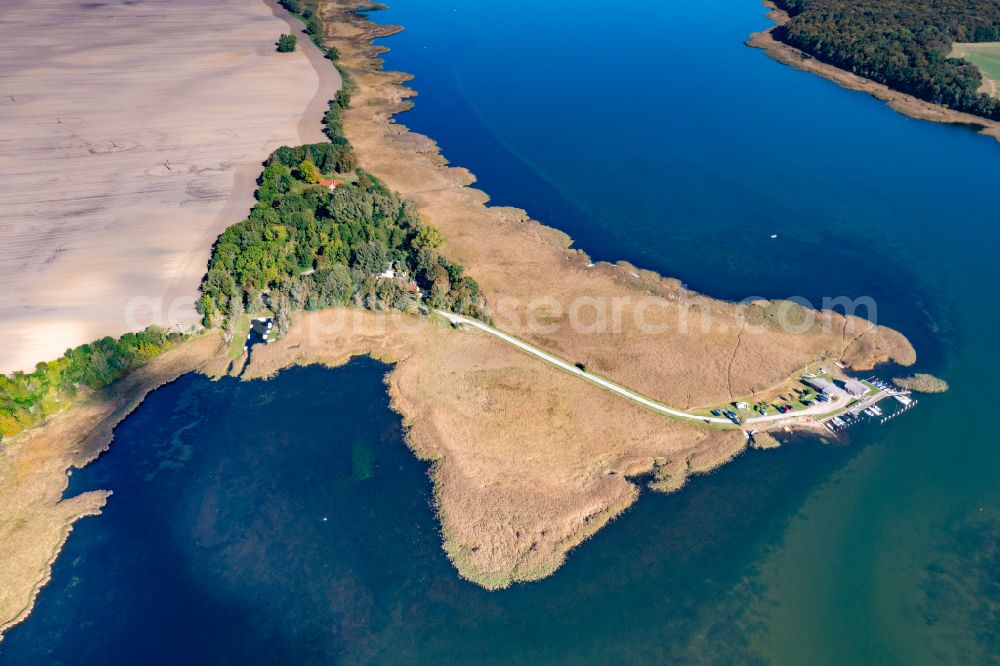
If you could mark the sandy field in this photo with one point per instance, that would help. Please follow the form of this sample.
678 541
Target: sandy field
131 135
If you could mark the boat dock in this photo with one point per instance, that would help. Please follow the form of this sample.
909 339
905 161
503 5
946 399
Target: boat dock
869 406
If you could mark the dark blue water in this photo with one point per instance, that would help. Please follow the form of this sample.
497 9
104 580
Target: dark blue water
649 133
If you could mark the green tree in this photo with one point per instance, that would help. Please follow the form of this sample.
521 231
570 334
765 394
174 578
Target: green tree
429 238
282 313
371 258
286 43
308 171
235 314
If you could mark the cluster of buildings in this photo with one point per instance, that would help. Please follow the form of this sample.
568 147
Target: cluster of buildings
395 273
852 387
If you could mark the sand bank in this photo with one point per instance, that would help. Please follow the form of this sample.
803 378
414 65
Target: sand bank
901 102
131 135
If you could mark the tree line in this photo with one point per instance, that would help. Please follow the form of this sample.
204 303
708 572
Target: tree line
26 399
901 43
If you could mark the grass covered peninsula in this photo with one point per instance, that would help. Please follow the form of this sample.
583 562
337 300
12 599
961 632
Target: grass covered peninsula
527 461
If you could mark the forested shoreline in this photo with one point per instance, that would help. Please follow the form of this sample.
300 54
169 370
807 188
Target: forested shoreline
903 44
28 398
307 246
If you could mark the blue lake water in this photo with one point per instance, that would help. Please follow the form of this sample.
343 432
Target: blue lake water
648 133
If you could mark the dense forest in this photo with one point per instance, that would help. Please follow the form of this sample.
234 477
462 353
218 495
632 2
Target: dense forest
27 398
901 43
306 246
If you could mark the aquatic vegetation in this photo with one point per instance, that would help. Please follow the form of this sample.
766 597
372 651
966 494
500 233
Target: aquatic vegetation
921 383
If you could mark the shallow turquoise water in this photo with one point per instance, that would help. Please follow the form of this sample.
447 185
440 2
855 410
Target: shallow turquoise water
649 133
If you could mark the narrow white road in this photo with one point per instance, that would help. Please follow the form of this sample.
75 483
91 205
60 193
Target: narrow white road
816 410
569 367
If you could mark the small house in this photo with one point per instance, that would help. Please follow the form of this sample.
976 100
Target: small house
390 272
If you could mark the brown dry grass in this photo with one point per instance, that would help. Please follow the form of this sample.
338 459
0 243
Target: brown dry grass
529 461
901 102
706 355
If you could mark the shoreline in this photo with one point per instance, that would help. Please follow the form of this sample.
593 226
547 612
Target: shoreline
101 412
36 517
900 102
502 520
412 164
